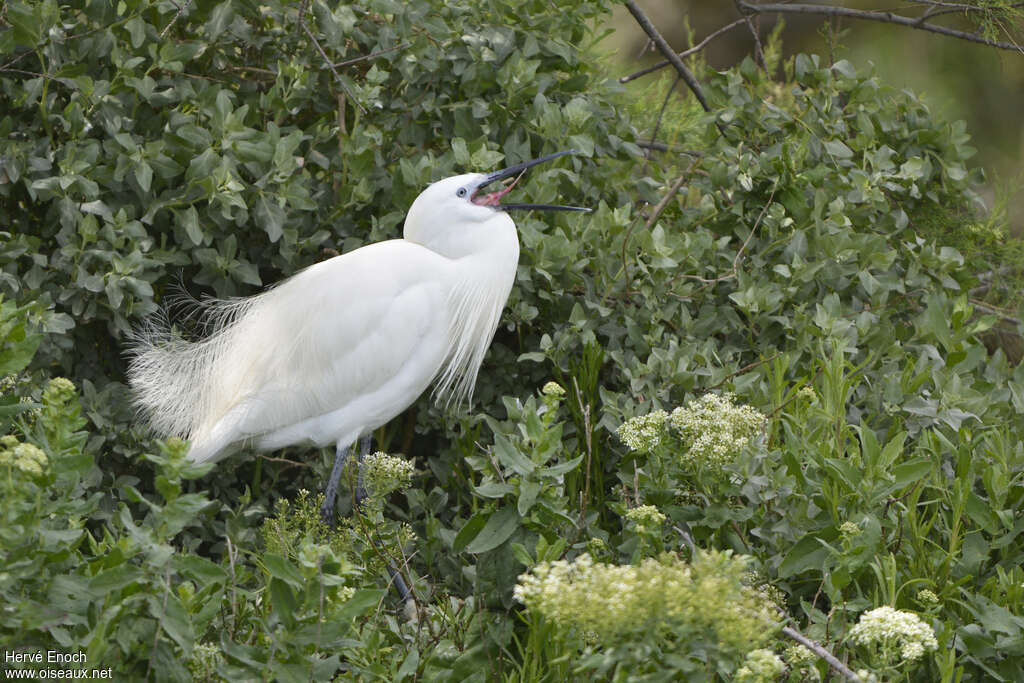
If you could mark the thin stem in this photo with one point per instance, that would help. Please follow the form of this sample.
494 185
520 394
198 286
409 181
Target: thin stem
884 17
668 52
685 53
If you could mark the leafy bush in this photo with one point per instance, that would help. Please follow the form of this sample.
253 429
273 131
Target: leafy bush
794 304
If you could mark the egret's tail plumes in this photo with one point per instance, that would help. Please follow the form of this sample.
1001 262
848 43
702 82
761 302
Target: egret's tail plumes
175 380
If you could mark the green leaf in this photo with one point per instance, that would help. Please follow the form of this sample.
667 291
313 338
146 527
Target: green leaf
167 609
497 530
509 456
838 149
189 220
364 600
280 568
137 30
220 18
409 665
807 555
270 217
283 601
528 491
114 579
144 176
910 472
562 467
469 531
494 489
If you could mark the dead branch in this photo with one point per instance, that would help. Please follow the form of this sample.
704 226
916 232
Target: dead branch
181 9
817 649
869 15
327 60
685 53
666 50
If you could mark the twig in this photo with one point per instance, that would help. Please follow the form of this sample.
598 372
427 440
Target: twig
181 9
685 53
657 122
660 207
231 561
745 369
687 539
378 53
159 621
327 60
817 649
739 254
758 50
286 461
940 8
668 53
662 147
884 17
996 311
588 440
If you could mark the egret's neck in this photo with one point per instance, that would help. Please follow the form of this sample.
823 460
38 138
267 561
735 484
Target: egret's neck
482 280
496 235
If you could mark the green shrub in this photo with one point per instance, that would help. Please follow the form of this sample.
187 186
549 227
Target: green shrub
869 454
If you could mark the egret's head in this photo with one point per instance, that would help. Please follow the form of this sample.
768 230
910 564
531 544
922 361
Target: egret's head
455 216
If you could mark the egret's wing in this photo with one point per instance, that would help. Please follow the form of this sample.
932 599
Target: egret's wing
339 331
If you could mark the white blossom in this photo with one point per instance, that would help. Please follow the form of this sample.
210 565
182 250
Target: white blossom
889 627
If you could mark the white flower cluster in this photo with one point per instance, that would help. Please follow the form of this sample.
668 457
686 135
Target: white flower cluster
553 389
386 473
643 433
807 393
206 661
849 529
25 457
58 390
799 656
715 430
760 666
647 518
608 601
886 626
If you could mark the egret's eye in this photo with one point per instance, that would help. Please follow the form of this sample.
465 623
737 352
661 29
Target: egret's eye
461 192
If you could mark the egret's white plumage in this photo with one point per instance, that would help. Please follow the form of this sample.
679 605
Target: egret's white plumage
345 345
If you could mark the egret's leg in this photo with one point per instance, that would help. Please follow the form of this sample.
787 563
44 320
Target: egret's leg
365 443
360 495
331 494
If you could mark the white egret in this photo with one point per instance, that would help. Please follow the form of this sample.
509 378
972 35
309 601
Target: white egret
345 345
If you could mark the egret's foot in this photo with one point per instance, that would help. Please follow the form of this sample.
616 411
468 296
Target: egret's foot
327 513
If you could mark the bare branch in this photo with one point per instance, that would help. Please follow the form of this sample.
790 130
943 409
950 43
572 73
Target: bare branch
817 649
662 147
663 204
1001 312
685 53
665 49
327 60
758 50
378 53
181 9
884 17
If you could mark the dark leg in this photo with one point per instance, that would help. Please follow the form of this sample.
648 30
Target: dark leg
364 447
360 495
331 494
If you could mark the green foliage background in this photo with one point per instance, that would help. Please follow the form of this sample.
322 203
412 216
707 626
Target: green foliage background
809 247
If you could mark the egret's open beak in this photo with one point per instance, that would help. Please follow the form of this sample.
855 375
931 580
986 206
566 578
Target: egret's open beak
494 198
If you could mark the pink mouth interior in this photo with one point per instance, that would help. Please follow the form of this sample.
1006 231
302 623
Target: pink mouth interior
494 198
